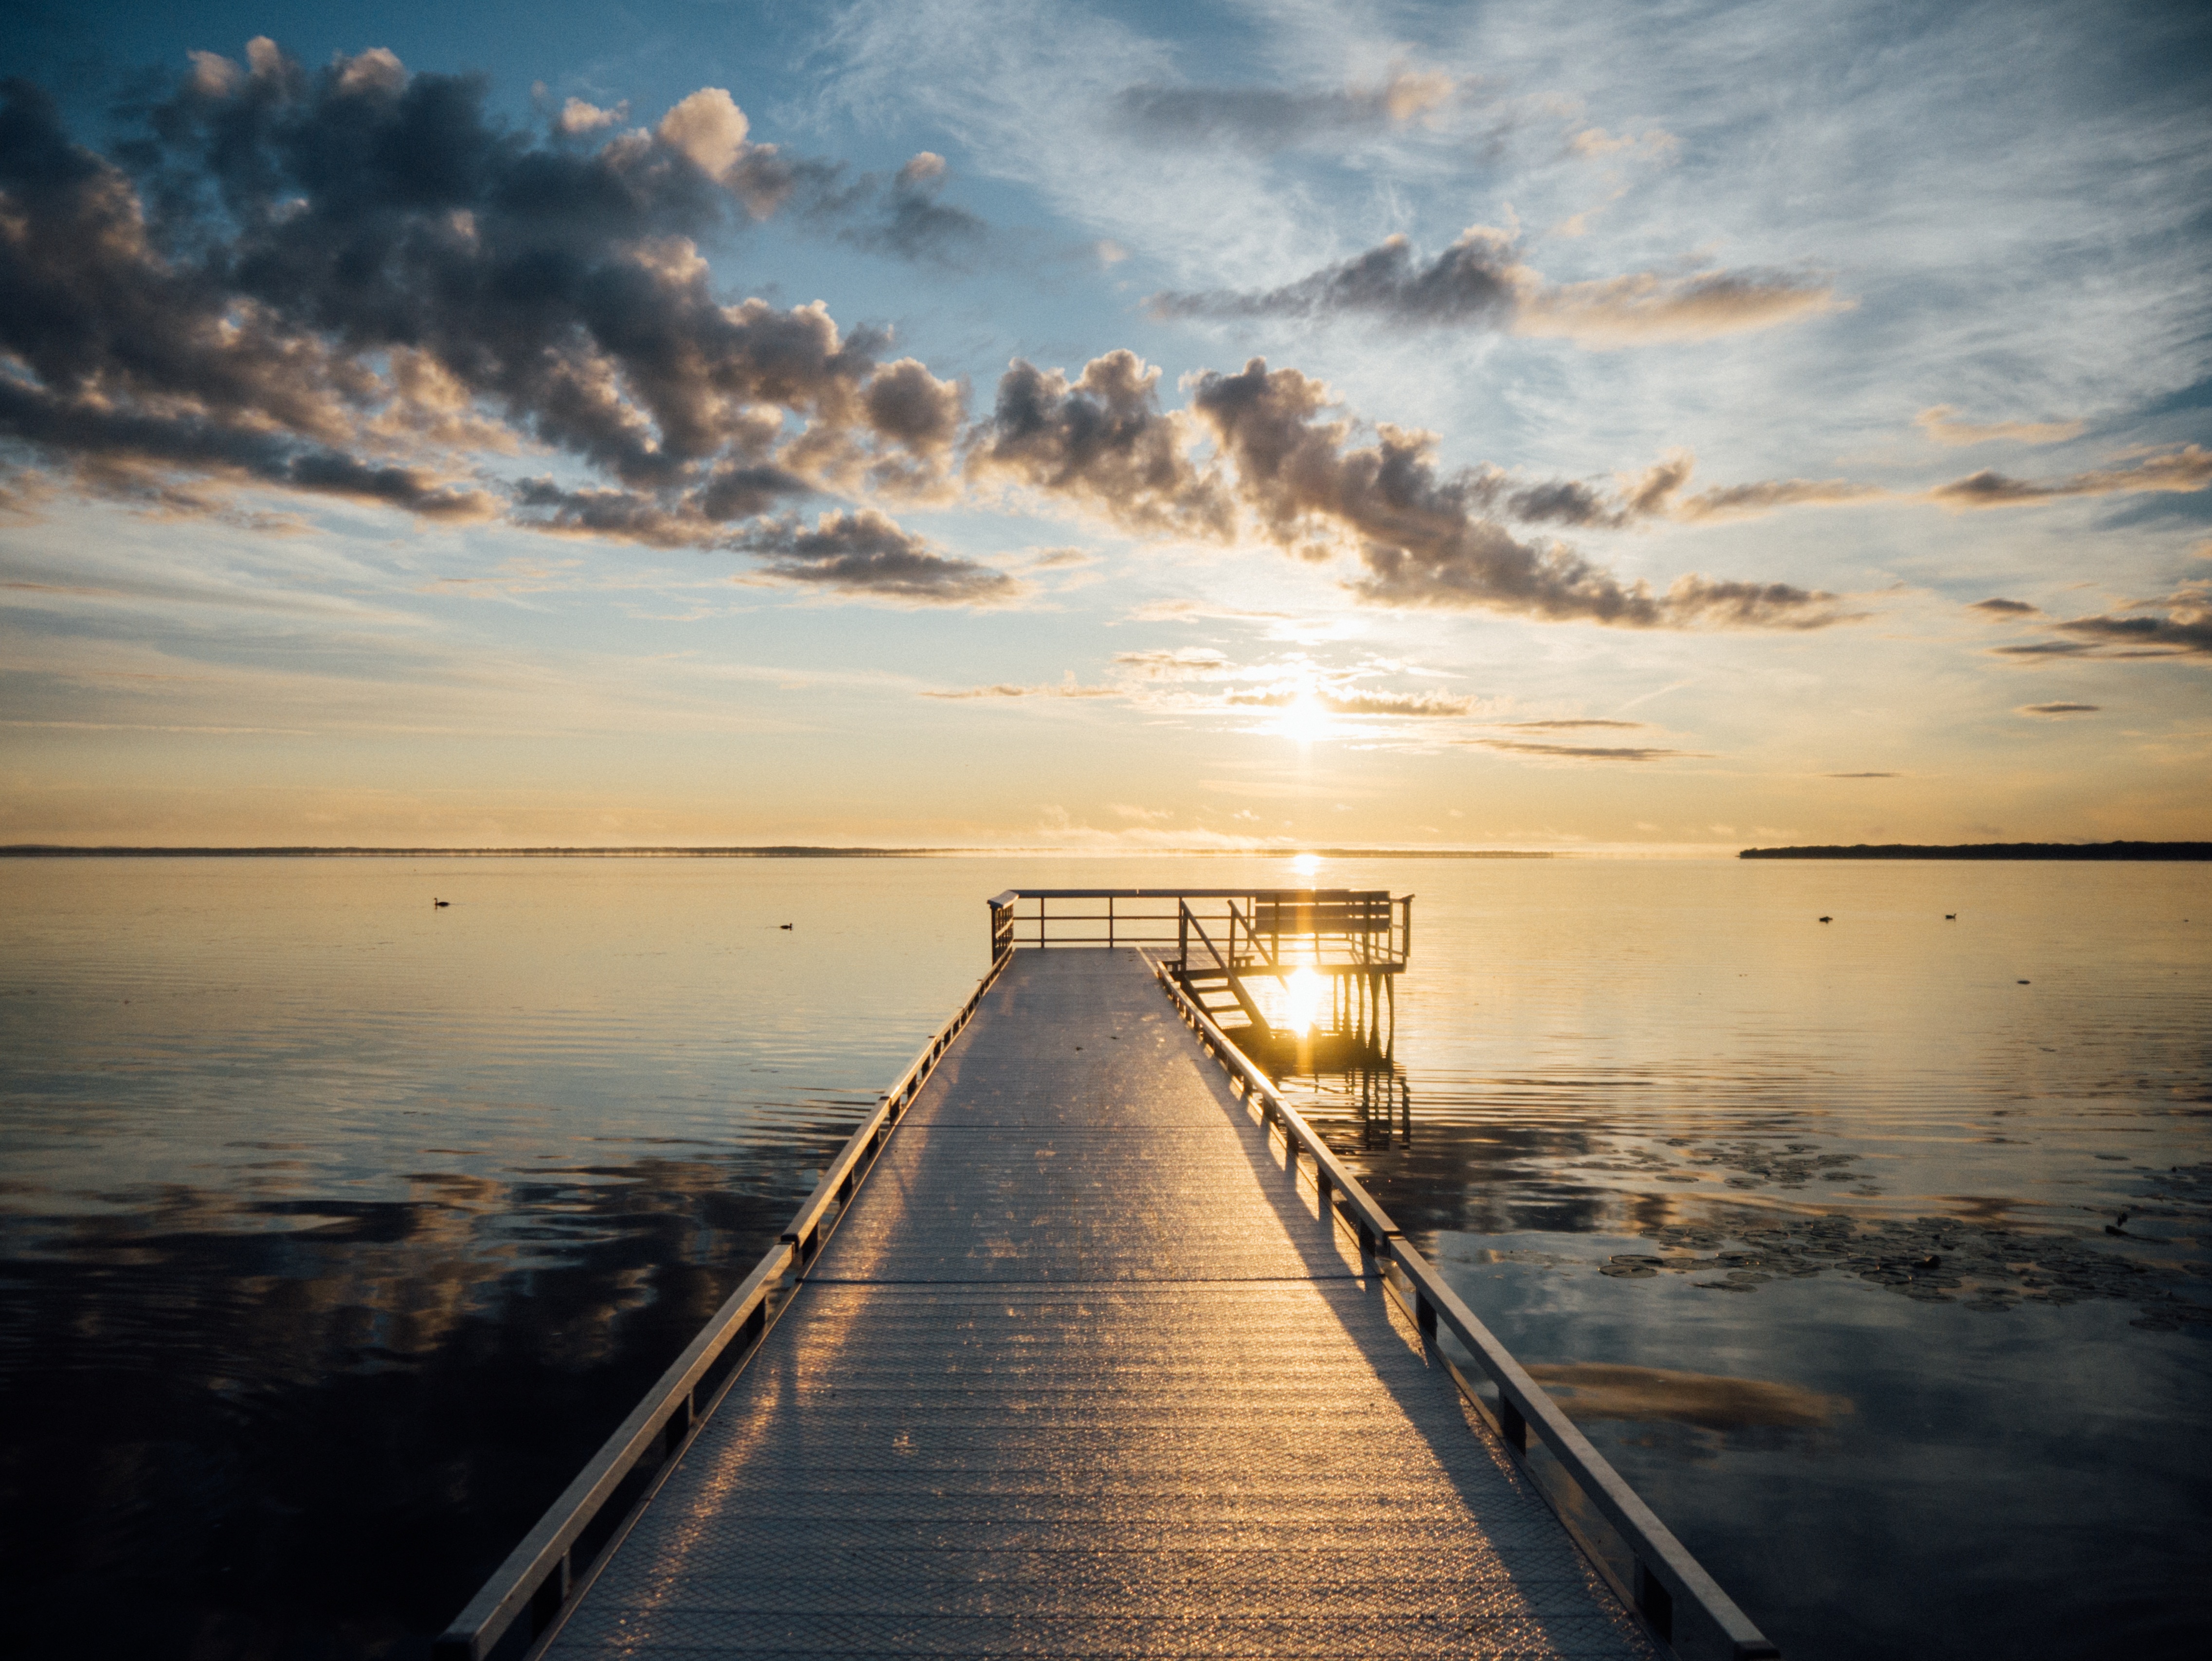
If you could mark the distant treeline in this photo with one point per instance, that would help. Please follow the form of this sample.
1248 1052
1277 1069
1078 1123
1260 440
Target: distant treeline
40 850
1993 850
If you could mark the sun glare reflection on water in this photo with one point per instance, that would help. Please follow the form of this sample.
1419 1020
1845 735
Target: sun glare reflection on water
1307 990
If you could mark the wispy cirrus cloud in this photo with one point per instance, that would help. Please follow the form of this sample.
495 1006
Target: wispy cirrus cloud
1941 423
1587 752
1272 118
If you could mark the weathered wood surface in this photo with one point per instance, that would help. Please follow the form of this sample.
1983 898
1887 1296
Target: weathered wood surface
1084 1372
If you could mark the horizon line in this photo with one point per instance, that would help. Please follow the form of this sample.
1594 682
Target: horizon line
764 850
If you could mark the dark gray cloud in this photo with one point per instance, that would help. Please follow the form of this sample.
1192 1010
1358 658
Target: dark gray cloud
2056 709
130 453
1180 663
354 282
1565 726
1657 492
906 217
2005 610
1482 281
1104 441
1468 283
2178 626
2185 630
1865 776
1422 535
1585 753
2183 470
865 553
1272 118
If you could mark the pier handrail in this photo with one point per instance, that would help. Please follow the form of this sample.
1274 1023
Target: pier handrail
1252 934
1665 1576
541 1576
1375 926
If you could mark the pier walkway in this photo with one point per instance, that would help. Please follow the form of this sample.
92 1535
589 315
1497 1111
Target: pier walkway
1087 1346
1084 1373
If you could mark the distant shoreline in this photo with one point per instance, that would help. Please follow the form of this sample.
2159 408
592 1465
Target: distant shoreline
58 850
1992 850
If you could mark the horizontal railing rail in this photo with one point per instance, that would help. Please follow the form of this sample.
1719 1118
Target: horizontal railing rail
543 1576
1345 928
1666 1582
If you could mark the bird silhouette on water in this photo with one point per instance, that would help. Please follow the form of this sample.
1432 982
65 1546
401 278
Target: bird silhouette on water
783 925
439 905
1827 920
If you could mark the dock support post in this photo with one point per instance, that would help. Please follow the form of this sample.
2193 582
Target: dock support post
1655 1602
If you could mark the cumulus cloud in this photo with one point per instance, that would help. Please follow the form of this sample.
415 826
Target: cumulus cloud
1940 422
1421 534
578 117
2183 470
865 553
1273 118
1483 282
1102 441
354 283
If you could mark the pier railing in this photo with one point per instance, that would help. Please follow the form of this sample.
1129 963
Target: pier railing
1368 928
542 1577
1646 1565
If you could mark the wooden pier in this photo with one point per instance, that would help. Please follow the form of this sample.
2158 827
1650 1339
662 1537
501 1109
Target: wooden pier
1087 1347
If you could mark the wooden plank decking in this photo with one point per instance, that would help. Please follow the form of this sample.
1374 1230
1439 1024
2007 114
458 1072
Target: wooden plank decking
1084 1372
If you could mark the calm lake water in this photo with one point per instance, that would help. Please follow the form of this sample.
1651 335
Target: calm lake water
337 1230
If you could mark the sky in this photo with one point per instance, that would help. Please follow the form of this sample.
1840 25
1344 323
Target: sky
1612 427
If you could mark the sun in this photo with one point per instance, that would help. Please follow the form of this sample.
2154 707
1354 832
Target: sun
1305 718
